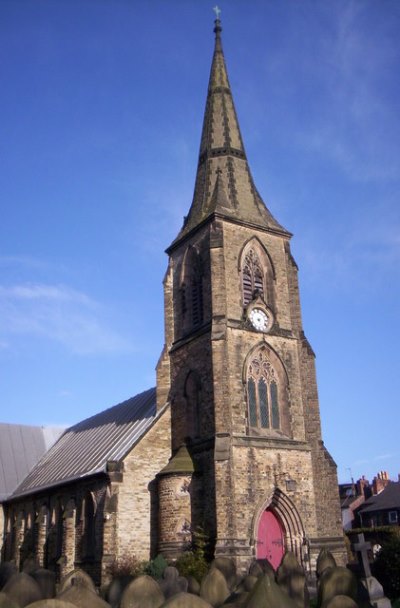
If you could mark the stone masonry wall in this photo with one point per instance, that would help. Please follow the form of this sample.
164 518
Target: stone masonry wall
137 503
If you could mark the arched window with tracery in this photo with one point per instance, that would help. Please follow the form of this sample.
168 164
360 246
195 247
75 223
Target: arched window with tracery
266 391
257 275
191 290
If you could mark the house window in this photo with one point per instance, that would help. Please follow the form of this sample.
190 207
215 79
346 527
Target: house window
262 392
393 518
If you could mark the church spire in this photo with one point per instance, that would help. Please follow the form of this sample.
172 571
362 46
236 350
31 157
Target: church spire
224 184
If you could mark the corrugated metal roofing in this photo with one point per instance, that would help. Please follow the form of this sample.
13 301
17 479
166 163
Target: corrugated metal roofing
85 448
21 446
389 498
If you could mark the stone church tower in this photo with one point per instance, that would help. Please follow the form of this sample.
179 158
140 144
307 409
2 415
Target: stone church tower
248 463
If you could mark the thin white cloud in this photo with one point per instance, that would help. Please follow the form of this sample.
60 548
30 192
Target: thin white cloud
58 313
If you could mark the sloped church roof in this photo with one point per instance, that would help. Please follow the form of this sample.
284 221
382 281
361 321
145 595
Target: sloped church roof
85 448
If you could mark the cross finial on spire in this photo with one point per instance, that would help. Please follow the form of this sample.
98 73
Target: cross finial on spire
217 11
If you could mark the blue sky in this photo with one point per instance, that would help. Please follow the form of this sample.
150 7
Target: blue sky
101 108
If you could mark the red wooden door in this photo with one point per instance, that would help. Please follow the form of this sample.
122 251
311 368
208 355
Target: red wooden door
270 539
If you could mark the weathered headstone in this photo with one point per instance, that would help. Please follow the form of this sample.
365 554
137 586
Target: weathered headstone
30 565
51 603
142 592
214 588
260 567
336 581
371 584
171 583
82 596
193 585
267 594
228 568
340 601
76 576
186 600
7 602
7 570
46 580
116 589
23 589
290 577
325 560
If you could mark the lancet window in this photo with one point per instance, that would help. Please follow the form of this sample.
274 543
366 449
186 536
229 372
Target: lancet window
191 290
263 392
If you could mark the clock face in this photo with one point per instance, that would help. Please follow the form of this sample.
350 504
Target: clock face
259 319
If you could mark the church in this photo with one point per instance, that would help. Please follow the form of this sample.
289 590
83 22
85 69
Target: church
229 442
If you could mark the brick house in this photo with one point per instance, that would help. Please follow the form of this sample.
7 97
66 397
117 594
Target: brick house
230 441
383 508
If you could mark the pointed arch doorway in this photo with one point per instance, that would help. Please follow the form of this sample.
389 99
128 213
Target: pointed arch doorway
270 538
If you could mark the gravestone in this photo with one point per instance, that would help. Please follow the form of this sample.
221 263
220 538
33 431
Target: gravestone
172 583
372 585
340 601
7 602
193 585
228 568
261 566
116 589
186 600
336 581
82 596
51 603
142 592
267 594
7 570
325 560
214 588
74 577
23 589
290 577
46 580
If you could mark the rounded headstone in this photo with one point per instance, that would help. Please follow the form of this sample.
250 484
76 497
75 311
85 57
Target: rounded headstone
249 582
325 560
193 585
214 588
46 580
228 568
76 576
336 581
7 602
267 594
23 589
186 600
290 576
30 565
82 597
261 566
172 583
116 589
51 603
7 570
340 601
142 592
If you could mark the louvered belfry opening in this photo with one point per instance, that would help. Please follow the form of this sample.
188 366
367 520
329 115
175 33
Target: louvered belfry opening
252 277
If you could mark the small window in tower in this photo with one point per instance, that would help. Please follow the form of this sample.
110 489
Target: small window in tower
191 291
